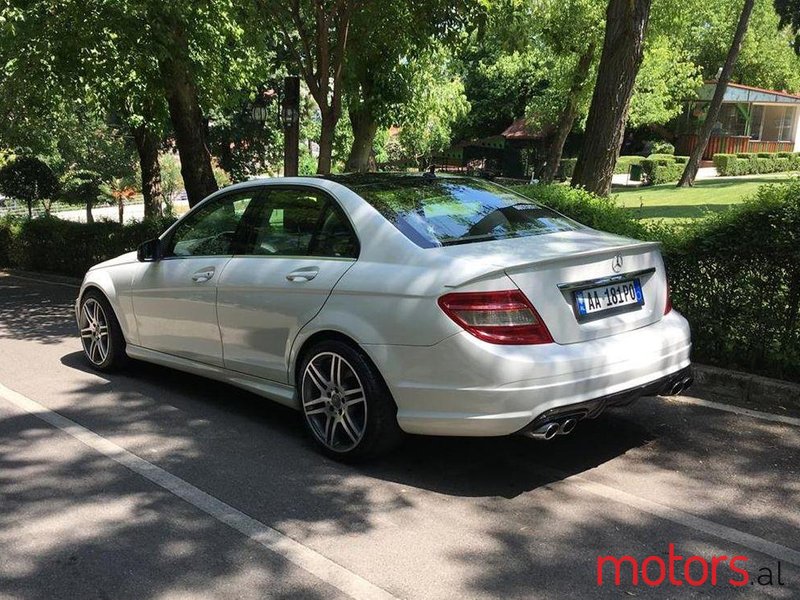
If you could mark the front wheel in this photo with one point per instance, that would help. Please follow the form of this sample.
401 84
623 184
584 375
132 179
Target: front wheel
347 408
101 335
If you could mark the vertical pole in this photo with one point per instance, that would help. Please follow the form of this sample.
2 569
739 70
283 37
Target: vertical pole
291 126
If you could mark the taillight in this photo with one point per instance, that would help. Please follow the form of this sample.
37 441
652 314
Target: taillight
498 317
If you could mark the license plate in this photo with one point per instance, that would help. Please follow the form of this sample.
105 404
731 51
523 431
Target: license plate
606 297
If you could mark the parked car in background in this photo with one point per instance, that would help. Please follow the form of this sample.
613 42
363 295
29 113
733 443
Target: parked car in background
379 305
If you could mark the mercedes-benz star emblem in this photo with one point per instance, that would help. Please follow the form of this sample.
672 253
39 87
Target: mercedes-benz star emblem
616 263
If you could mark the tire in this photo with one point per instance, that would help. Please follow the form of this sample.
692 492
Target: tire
101 335
351 415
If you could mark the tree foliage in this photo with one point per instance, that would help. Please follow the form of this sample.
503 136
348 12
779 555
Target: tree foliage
28 178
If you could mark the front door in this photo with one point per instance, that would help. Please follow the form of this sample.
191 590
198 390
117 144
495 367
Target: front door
174 299
299 246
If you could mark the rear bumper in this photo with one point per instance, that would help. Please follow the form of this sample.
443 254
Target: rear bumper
591 409
463 386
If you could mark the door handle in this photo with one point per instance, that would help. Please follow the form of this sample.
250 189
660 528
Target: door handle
303 275
203 276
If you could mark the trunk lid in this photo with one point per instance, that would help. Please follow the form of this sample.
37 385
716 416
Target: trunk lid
550 268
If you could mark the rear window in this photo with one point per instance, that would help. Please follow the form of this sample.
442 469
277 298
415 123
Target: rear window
444 211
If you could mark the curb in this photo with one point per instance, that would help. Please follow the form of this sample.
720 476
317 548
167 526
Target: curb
746 390
36 275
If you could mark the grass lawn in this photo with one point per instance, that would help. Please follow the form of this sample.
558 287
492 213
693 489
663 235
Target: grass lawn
708 195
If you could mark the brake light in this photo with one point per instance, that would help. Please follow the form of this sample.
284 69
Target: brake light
504 317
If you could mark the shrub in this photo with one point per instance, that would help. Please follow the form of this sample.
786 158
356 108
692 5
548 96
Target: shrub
728 164
661 168
736 277
753 163
681 160
662 147
624 163
53 245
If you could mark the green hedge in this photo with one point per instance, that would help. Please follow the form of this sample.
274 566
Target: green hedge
624 163
756 163
662 168
734 275
53 245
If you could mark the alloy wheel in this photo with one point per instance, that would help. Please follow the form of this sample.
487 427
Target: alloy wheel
94 331
334 403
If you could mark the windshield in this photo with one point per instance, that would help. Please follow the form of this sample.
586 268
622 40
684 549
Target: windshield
443 211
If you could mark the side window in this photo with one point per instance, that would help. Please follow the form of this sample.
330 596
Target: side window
213 230
291 223
335 236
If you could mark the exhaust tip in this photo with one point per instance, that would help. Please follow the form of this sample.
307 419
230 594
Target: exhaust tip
567 426
676 389
545 432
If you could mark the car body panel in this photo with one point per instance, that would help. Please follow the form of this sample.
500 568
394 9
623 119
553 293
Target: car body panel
260 311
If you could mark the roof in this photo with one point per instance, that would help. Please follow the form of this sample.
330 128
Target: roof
736 92
521 129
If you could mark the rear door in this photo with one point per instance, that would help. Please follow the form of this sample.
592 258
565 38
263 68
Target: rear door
300 243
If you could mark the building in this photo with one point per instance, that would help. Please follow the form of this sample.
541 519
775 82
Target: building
750 120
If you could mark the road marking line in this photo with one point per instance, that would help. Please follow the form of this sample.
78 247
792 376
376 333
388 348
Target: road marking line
69 285
680 517
748 412
322 567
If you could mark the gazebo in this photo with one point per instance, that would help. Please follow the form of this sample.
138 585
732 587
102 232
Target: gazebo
750 120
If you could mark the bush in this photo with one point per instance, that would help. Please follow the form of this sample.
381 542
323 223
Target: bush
734 275
681 160
661 168
624 163
756 163
662 147
53 245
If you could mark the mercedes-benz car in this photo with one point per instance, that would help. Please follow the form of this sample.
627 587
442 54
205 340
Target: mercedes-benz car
379 305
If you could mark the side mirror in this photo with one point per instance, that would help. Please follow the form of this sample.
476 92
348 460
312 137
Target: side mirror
149 251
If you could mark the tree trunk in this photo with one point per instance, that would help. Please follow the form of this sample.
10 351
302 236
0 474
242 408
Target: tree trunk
690 171
364 129
187 120
623 47
89 215
567 118
326 142
147 145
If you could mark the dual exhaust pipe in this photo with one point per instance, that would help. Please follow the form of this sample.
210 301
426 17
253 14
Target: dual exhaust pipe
548 431
678 387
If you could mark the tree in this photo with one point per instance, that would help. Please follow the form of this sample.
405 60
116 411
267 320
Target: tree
623 48
315 36
389 43
571 31
690 171
426 121
82 187
789 12
30 179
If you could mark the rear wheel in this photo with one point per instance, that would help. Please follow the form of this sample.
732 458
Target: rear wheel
101 335
346 406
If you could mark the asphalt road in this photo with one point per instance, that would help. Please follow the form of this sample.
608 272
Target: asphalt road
156 484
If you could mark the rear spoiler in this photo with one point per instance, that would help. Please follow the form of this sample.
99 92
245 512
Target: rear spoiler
499 270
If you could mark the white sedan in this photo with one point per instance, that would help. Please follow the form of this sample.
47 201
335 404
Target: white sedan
384 304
